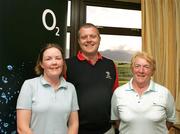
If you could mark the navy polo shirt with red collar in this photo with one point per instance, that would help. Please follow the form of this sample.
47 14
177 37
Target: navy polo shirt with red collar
94 86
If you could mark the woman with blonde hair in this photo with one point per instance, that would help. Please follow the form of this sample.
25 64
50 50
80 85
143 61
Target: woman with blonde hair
143 106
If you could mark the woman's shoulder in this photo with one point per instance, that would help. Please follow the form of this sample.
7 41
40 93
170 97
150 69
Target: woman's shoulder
162 90
122 88
32 80
68 84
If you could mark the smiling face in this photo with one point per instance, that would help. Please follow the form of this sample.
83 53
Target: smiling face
89 40
142 71
52 63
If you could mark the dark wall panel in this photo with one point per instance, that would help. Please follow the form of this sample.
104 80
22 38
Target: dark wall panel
25 26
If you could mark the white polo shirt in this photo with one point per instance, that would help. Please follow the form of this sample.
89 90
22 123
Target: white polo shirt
145 114
50 108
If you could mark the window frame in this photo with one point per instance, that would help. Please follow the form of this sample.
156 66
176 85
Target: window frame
112 4
78 17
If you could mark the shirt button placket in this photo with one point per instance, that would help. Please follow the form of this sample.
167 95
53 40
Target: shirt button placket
138 98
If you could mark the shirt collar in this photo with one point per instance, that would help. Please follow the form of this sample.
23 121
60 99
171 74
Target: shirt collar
150 88
81 57
63 84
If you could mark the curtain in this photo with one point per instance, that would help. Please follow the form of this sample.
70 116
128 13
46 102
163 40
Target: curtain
160 38
177 2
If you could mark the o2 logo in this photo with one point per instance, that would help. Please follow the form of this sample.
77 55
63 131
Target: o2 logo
53 26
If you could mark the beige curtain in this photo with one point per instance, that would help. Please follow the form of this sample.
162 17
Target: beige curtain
160 35
177 2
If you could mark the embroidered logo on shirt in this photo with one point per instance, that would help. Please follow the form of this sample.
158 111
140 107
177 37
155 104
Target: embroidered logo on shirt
108 75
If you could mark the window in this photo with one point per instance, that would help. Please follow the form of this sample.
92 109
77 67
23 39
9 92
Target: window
67 48
69 13
113 17
120 34
119 47
116 42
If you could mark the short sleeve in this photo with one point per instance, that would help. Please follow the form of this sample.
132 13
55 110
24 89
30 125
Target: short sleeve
170 110
75 105
24 100
114 109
